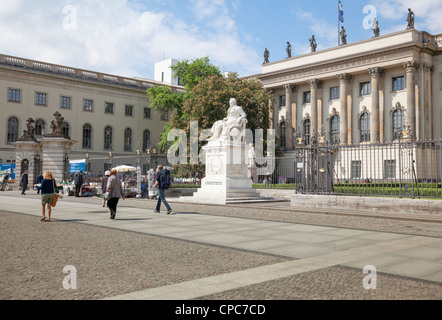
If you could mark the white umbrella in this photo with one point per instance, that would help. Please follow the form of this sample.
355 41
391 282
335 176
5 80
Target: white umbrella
125 168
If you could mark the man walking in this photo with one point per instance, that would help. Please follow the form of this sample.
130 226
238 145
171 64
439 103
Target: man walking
24 182
163 183
78 181
38 181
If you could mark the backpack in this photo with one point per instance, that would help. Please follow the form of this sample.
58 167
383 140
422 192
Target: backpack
165 180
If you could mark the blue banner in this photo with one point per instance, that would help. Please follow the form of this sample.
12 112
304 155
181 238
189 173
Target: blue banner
6 168
77 165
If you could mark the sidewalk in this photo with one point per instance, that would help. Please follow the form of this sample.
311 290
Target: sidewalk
307 247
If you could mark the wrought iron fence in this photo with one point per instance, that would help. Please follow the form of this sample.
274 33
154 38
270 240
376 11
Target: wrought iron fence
403 168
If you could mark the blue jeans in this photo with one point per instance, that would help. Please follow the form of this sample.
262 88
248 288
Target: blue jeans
162 198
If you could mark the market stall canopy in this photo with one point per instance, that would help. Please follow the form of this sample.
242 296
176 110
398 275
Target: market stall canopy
125 168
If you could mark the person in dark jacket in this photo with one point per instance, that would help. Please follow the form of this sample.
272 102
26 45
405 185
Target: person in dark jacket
38 181
78 181
161 197
24 182
47 189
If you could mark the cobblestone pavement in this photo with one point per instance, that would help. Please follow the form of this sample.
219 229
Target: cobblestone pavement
112 262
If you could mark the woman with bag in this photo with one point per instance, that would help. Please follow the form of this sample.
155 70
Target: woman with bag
115 193
47 188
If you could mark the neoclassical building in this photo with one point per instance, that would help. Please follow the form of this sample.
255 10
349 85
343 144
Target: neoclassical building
362 92
102 113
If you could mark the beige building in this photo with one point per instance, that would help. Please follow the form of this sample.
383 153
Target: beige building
362 92
103 113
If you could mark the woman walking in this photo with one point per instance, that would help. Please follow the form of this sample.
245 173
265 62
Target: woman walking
115 193
47 188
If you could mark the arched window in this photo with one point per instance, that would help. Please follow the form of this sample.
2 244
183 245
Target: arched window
40 128
65 129
335 130
12 129
306 131
128 139
87 136
108 138
365 127
398 123
146 139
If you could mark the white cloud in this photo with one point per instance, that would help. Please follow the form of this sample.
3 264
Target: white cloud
427 13
112 36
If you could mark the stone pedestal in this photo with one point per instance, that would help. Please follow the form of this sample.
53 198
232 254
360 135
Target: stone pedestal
227 177
56 151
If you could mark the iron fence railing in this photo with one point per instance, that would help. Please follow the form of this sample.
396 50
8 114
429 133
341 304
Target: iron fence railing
403 168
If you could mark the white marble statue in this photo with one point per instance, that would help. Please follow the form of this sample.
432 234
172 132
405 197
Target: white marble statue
233 127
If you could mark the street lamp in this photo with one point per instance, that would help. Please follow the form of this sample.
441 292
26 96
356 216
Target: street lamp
138 173
110 160
87 162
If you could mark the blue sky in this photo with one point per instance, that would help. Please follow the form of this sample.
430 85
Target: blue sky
127 37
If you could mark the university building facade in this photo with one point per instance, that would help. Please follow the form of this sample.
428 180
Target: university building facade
105 115
362 94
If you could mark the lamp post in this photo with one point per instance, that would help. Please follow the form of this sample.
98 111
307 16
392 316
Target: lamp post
87 162
138 174
110 160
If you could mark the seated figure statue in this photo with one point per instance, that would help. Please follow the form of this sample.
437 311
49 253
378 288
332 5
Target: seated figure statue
233 127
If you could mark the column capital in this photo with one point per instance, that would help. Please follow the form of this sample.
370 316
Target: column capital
427 67
411 66
376 72
315 83
344 77
289 86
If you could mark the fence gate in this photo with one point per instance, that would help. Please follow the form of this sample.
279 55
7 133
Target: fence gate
314 168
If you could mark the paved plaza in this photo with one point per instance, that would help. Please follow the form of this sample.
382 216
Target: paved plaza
266 251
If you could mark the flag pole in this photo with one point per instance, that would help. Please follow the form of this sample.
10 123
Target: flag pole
339 25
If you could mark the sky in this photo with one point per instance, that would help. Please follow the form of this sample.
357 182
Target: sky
127 37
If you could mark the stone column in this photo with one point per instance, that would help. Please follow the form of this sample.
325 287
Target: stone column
410 69
427 101
344 79
314 85
376 73
54 150
288 106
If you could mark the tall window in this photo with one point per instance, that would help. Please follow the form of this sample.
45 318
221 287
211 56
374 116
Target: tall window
65 130
128 139
40 99
390 169
365 127
335 93
147 113
129 111
398 83
165 116
306 131
146 139
65 102
365 88
87 136
335 130
14 95
306 97
282 100
356 169
109 108
12 130
108 138
40 127
88 105
398 123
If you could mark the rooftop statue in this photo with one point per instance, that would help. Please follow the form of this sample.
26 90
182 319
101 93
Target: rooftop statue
266 56
313 44
289 50
410 19
343 36
375 27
